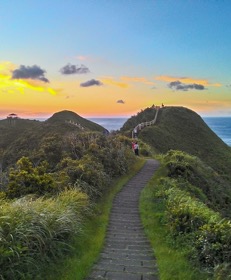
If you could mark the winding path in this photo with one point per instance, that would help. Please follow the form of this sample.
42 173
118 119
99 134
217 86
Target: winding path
127 254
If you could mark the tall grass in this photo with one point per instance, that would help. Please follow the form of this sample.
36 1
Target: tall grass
36 231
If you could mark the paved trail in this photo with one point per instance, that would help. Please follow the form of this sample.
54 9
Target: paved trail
127 254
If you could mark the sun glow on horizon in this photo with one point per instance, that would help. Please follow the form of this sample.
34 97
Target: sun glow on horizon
112 97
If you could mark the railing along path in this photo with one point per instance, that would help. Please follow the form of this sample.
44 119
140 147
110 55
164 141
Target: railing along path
144 124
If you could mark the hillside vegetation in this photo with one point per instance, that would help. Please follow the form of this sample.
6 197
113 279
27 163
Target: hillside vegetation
22 137
187 218
179 128
209 159
65 117
54 173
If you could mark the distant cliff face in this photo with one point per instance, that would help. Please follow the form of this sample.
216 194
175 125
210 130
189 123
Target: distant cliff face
179 128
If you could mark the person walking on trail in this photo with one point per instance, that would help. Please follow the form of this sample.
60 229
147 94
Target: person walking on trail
136 149
133 144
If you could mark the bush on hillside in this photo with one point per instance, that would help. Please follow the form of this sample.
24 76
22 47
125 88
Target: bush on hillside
190 221
184 214
25 179
213 243
114 153
86 173
90 158
191 171
51 150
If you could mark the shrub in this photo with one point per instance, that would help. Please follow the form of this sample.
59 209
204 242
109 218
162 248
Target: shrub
184 214
190 171
33 231
213 243
203 231
222 271
25 179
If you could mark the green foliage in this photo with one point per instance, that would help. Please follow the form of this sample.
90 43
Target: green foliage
114 152
199 179
186 215
213 243
88 160
94 161
36 231
87 173
172 260
2 195
26 179
51 150
222 271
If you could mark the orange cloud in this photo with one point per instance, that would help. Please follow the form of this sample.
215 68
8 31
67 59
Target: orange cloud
137 80
186 80
125 80
111 81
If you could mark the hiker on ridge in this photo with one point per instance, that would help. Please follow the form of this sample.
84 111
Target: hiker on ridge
136 149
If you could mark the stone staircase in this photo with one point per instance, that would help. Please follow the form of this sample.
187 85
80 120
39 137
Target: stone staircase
127 254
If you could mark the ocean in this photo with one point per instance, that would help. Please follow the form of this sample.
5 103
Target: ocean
109 123
220 125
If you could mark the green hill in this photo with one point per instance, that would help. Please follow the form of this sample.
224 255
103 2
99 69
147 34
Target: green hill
178 128
67 118
22 137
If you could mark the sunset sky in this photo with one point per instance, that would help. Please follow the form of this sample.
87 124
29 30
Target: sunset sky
104 58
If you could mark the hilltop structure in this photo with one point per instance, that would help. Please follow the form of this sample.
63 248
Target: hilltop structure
12 118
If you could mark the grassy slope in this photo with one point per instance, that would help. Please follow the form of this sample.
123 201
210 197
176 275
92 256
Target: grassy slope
24 136
147 115
63 116
9 132
179 128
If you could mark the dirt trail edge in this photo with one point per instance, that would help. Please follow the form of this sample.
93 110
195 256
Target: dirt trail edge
127 253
